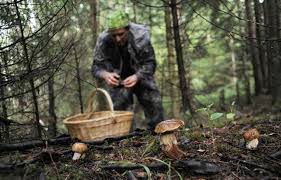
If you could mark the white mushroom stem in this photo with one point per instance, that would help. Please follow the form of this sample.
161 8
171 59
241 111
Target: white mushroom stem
252 144
168 139
76 156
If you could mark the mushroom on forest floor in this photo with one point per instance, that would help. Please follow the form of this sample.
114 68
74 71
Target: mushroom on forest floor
79 150
251 137
168 140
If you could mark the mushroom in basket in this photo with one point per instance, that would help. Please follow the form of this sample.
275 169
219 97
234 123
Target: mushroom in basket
168 140
79 150
251 137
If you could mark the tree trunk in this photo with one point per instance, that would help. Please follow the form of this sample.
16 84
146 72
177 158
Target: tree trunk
261 54
243 55
278 26
4 114
267 44
234 70
251 46
134 11
79 90
94 20
29 70
150 18
186 103
52 126
278 62
171 64
274 48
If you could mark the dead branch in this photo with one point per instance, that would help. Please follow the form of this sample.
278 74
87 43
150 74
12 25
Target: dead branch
251 164
193 166
33 144
61 141
132 166
276 155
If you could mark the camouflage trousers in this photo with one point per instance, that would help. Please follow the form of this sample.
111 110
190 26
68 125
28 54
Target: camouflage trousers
148 96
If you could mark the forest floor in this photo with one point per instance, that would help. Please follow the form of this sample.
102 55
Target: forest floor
219 153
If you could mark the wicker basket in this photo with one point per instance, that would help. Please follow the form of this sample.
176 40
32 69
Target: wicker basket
99 125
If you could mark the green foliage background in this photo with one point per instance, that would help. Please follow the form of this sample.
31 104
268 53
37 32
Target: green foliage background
205 34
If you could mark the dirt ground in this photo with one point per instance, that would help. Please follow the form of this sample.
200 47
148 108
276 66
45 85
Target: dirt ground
210 154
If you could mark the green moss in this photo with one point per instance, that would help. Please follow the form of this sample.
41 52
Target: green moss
194 135
152 147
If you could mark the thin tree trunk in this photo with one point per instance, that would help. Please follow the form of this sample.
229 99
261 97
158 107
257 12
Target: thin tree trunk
4 113
134 11
267 42
261 53
251 45
181 68
278 65
163 78
29 70
52 127
94 20
274 48
278 25
150 18
234 70
79 90
243 55
170 63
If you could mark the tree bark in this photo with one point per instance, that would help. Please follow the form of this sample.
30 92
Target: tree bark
134 11
171 64
4 112
267 46
278 60
78 76
234 70
186 103
52 127
94 20
261 54
273 48
243 56
278 25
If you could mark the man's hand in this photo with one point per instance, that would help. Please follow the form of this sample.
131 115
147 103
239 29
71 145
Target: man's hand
130 81
111 78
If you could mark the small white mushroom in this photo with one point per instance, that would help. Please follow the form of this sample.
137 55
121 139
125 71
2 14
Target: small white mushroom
252 138
79 150
252 144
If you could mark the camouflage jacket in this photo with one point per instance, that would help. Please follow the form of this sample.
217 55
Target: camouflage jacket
142 57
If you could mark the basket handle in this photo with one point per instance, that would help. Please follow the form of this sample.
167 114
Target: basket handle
89 102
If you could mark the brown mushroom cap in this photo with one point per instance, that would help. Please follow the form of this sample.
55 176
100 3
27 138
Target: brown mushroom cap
79 148
168 125
251 134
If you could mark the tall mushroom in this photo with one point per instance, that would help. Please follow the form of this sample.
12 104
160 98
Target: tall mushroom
79 150
168 139
251 137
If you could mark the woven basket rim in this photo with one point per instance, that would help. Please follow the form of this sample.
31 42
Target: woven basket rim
120 113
